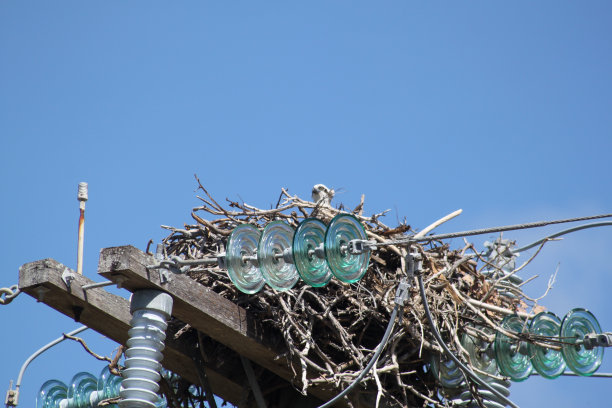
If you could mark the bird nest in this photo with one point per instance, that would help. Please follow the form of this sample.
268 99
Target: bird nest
331 332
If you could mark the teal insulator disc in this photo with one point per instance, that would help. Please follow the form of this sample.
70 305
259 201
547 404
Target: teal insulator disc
162 402
308 236
547 362
478 350
275 268
81 387
108 384
345 266
446 372
510 361
576 324
242 243
51 393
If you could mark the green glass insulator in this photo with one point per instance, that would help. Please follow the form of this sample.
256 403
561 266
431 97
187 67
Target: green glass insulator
309 235
446 372
245 274
345 266
510 361
275 239
81 387
108 385
547 362
162 402
480 352
51 393
576 324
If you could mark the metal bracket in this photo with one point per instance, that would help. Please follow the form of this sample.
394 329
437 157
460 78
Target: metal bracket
96 285
164 276
68 276
359 246
593 340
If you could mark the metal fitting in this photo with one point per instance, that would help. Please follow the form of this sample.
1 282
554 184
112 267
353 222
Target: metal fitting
402 292
359 246
593 340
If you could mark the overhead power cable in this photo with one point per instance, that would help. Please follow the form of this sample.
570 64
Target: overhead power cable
483 231
566 231
401 296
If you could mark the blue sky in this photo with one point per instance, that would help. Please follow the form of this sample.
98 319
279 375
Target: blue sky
504 110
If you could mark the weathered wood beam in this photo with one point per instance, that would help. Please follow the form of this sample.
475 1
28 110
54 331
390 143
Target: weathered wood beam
109 315
203 309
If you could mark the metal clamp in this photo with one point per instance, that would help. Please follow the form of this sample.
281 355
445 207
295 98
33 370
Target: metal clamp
413 266
593 340
68 276
178 265
402 292
359 246
414 263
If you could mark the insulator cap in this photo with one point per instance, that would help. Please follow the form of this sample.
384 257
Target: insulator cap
151 299
82 194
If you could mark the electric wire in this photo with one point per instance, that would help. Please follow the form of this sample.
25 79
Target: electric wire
572 374
483 231
566 231
42 350
371 363
440 341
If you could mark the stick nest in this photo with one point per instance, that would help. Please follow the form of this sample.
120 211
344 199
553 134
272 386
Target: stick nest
330 332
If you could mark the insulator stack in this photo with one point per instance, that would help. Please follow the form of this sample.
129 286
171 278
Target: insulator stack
280 255
466 399
83 391
499 254
151 310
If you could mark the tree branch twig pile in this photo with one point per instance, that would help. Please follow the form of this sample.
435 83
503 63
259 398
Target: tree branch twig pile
330 332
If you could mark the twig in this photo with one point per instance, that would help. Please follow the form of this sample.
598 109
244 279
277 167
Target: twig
87 349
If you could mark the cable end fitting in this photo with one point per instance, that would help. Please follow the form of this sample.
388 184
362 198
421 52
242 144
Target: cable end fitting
593 340
402 292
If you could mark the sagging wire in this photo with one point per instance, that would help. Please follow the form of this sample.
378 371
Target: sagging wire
558 234
12 396
400 297
413 264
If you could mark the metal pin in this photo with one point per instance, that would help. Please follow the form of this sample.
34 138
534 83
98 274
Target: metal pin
82 197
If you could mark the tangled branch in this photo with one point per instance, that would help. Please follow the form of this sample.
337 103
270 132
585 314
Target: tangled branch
330 332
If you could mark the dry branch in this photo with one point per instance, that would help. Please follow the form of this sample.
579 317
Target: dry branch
333 330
